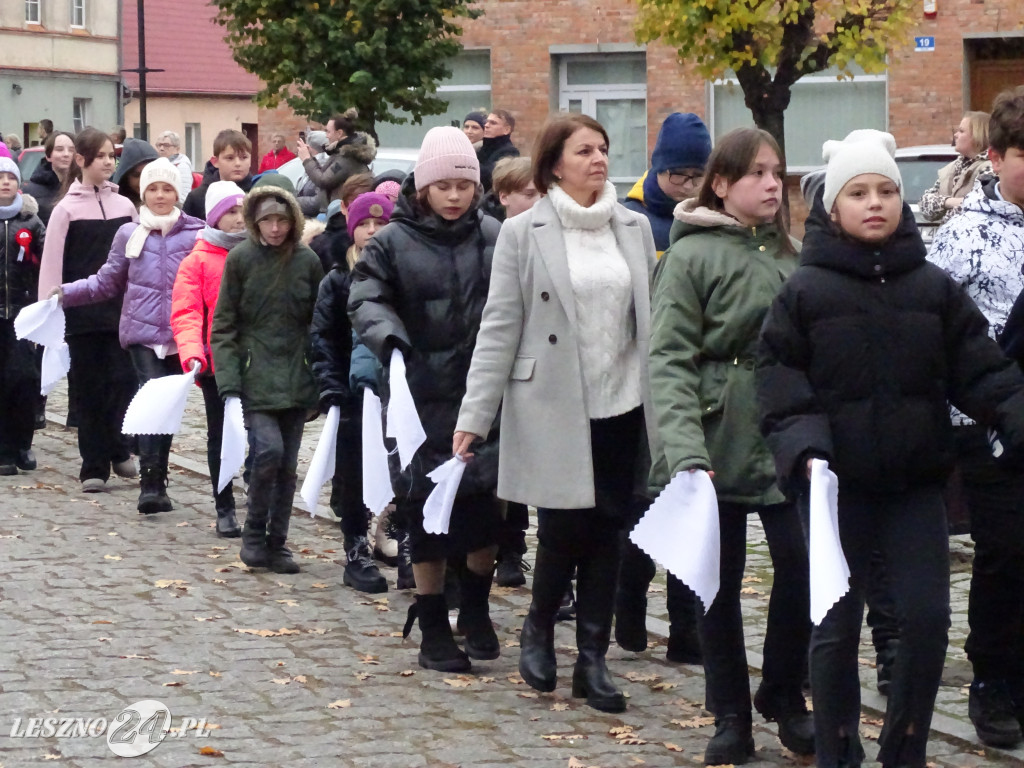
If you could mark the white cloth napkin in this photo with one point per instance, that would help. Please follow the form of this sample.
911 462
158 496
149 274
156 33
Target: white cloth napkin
404 423
377 490
232 444
830 573
43 323
321 467
437 510
159 405
681 532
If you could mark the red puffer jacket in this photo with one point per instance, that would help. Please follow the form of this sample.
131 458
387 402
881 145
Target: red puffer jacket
193 301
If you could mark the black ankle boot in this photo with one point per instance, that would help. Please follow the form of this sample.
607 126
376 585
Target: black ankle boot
596 577
789 712
153 491
733 742
992 712
438 649
279 557
406 578
361 573
227 525
475 617
254 551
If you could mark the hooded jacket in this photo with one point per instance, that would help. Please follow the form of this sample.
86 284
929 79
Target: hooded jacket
134 152
646 197
145 282
260 335
860 355
420 286
78 237
44 186
712 289
349 156
20 279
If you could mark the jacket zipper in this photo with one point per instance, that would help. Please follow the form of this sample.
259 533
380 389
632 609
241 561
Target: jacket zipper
99 200
7 270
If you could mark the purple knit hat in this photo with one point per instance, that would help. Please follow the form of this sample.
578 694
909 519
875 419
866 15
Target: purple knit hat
369 205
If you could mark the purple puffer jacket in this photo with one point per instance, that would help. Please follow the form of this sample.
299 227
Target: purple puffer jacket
145 282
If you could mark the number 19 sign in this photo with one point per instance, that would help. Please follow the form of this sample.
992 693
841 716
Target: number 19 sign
924 44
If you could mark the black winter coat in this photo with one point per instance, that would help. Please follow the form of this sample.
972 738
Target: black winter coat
195 203
420 286
331 337
20 279
44 186
860 355
490 152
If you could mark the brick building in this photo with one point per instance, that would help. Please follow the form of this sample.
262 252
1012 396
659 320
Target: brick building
534 57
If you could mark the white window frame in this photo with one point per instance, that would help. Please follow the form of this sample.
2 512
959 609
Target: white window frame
193 142
589 95
33 12
80 113
817 77
77 14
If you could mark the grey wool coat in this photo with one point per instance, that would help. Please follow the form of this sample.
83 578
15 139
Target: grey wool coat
527 361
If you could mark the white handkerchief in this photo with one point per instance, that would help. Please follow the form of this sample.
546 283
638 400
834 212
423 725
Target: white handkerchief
437 510
56 364
321 467
377 491
232 444
681 532
830 573
404 423
42 322
158 406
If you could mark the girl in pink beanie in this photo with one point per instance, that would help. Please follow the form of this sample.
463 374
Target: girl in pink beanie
420 287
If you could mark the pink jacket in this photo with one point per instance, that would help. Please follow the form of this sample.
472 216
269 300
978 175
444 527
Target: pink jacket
193 300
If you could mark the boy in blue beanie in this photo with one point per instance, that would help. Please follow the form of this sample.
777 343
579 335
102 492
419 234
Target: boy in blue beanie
677 169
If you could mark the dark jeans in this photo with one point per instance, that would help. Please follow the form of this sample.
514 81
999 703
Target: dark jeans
105 383
274 440
19 389
347 483
154 450
909 530
788 627
995 611
214 403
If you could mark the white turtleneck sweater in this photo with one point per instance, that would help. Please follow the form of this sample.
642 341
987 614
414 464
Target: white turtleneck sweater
603 296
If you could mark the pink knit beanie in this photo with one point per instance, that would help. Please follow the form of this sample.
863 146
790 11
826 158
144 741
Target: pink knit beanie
446 153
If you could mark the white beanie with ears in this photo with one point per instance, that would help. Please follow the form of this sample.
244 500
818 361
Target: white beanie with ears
862 151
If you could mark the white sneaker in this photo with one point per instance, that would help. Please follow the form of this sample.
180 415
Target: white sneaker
385 549
126 468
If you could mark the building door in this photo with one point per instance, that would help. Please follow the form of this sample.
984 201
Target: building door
995 64
252 132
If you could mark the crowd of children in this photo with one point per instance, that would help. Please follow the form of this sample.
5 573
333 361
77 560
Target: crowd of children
747 354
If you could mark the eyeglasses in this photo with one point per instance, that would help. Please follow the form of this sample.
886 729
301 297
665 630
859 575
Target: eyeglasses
162 145
681 179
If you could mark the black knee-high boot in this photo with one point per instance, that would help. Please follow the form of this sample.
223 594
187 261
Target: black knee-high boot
552 572
595 598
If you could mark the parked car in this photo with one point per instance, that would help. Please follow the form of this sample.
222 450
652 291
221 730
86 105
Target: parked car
403 160
919 167
28 160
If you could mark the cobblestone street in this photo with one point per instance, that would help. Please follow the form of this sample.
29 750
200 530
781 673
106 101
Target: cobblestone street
101 607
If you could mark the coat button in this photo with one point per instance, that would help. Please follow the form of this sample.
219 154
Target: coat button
553 339
545 295
878 267
761 248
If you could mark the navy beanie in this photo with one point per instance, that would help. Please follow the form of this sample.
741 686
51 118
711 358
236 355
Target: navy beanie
683 142
476 117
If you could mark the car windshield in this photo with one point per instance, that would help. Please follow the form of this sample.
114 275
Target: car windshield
28 163
919 174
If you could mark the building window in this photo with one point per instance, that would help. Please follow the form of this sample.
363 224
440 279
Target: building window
77 13
612 89
193 143
821 108
468 88
137 131
32 15
80 114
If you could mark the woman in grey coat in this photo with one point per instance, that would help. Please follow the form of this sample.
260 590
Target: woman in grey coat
562 348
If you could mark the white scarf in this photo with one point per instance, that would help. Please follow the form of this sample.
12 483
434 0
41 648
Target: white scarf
149 221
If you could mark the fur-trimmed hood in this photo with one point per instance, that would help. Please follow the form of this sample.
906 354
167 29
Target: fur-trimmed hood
359 146
29 205
695 215
261 192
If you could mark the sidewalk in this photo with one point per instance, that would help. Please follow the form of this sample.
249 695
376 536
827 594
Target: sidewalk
101 607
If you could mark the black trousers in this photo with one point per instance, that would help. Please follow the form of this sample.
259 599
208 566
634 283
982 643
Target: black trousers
154 450
214 405
995 611
910 532
789 625
19 390
347 483
105 383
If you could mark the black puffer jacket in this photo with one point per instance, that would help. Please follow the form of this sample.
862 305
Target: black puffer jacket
421 285
44 186
331 336
860 355
20 279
